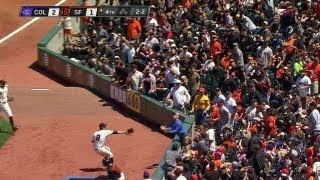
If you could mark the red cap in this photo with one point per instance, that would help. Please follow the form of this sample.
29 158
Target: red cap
309 152
285 171
202 90
254 130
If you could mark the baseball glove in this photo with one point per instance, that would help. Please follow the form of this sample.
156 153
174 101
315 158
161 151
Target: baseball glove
163 128
10 98
130 131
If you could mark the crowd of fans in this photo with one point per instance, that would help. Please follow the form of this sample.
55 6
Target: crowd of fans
261 119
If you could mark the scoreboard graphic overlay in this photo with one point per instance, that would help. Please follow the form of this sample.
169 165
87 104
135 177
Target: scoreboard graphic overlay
80 11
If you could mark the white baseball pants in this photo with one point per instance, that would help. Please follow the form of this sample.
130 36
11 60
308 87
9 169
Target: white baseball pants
104 151
4 106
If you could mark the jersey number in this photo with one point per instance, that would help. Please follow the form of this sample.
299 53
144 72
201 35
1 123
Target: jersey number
98 137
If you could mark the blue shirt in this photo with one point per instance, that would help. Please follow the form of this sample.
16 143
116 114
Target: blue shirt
177 128
249 24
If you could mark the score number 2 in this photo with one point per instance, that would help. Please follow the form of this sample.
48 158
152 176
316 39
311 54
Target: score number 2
140 11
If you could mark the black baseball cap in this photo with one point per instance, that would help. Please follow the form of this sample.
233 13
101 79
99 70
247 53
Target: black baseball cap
102 125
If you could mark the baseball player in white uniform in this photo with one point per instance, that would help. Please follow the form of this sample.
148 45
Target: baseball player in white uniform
99 138
4 105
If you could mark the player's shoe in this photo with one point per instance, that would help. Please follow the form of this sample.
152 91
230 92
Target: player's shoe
14 130
107 161
111 161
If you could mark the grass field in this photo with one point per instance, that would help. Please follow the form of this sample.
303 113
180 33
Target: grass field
5 131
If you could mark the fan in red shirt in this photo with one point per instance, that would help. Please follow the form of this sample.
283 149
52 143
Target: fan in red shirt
237 94
226 61
318 8
216 47
240 112
281 71
311 67
134 29
317 67
215 113
270 124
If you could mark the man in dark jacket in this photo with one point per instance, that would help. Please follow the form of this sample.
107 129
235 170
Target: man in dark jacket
255 139
211 174
228 84
254 94
257 160
201 144
171 157
276 98
236 174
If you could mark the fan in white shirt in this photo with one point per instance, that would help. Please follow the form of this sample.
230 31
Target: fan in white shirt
208 65
218 96
211 137
180 96
67 27
303 84
152 22
316 168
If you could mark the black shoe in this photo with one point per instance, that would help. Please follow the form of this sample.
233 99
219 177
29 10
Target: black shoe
15 129
111 160
107 161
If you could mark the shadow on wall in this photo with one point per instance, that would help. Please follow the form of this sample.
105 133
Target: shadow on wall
153 166
49 75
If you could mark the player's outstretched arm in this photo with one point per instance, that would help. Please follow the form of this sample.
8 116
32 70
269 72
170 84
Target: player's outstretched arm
119 132
127 132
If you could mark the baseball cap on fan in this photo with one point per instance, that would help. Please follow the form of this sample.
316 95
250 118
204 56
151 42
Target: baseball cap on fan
201 90
176 81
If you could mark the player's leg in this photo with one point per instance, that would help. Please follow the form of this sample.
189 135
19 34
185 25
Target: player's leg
108 156
106 152
7 110
1 108
68 34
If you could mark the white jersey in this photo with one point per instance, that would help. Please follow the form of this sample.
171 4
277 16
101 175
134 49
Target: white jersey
180 96
4 94
67 23
99 138
303 84
316 170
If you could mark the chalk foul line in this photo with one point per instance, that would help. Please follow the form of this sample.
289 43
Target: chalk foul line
26 25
